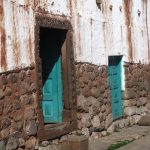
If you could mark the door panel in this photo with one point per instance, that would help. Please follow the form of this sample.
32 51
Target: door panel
114 73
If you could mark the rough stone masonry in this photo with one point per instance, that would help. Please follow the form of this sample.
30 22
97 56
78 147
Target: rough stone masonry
18 119
94 102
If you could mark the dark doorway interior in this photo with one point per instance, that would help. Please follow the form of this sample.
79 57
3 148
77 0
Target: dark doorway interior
51 41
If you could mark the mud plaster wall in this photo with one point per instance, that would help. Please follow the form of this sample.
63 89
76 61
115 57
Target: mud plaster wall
94 102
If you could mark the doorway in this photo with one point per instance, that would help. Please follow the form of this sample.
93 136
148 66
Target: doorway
115 84
51 41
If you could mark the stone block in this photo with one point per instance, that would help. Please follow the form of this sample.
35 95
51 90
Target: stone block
108 108
129 94
86 120
91 76
108 121
21 142
22 75
103 108
13 78
8 91
32 87
12 143
144 121
4 133
25 99
18 115
142 101
129 111
1 94
89 68
136 118
29 114
96 122
95 92
30 144
1 107
75 143
111 129
5 122
104 133
8 107
143 109
126 103
31 127
45 143
146 85
85 132
82 104
86 92
2 145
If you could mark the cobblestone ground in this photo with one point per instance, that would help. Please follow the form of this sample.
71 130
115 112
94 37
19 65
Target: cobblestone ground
140 135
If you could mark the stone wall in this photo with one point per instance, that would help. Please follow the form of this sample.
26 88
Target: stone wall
93 101
94 104
137 94
18 119
17 109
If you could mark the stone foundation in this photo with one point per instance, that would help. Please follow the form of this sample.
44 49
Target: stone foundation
94 104
137 94
93 101
18 116
18 124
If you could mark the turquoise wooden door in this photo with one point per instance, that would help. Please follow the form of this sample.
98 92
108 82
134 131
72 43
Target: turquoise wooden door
52 95
114 73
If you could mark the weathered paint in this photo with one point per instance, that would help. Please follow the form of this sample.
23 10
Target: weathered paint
120 27
116 27
2 37
17 22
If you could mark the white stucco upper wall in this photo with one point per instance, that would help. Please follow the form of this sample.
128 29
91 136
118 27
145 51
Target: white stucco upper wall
117 27
100 32
17 24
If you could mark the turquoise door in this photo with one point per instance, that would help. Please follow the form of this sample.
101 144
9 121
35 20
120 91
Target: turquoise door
114 73
52 95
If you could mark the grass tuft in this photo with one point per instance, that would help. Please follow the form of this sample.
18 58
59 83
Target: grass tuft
118 144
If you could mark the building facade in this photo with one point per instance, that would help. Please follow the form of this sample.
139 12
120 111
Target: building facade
71 67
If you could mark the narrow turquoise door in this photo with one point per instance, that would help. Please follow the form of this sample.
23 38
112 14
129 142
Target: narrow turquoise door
114 73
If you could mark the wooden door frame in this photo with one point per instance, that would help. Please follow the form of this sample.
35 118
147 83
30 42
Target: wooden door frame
68 73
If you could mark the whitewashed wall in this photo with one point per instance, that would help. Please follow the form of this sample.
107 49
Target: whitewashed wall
17 20
100 33
97 33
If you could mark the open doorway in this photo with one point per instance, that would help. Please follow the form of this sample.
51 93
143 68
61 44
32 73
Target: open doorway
51 41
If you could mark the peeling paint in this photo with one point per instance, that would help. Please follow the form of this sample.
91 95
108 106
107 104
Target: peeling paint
3 37
115 29
128 10
123 31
